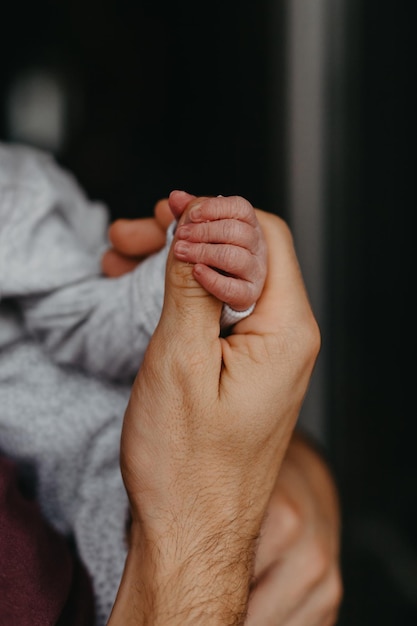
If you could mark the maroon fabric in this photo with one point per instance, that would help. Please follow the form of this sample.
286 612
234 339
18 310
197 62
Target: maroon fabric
41 582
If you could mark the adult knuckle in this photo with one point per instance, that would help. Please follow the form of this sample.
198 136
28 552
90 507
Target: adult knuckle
283 525
313 336
309 334
304 342
310 338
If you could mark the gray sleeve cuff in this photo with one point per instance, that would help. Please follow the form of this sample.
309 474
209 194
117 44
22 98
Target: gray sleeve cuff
229 316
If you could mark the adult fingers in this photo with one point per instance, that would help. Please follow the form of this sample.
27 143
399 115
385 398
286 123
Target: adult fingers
291 594
321 606
281 335
284 302
275 596
299 541
283 526
324 602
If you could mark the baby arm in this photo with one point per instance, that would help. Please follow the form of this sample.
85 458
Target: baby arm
225 242
51 241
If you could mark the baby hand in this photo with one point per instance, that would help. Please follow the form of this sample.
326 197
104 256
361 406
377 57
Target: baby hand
224 240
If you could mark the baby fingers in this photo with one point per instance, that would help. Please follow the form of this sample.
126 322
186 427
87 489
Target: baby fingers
229 259
228 231
230 273
237 293
221 208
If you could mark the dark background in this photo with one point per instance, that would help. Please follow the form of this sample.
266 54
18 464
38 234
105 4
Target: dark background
371 370
165 95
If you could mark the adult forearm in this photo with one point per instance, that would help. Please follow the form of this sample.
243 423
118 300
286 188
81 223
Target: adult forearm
199 578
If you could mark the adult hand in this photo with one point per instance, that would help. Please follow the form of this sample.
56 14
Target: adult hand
205 432
297 565
297 568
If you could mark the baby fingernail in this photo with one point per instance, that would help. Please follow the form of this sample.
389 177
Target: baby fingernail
181 247
195 213
183 232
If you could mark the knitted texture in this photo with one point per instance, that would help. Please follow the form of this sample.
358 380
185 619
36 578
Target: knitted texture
65 330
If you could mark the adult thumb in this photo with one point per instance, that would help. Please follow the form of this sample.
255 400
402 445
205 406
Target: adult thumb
190 316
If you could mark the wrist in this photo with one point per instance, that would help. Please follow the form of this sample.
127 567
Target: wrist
186 576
